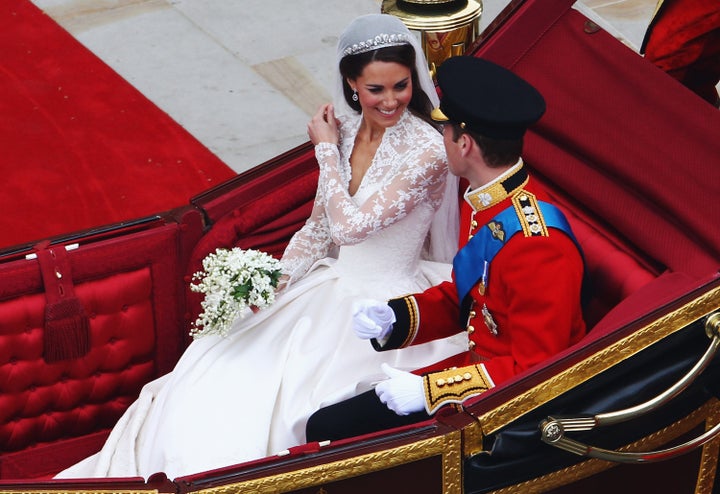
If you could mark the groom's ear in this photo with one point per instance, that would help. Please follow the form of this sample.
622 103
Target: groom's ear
466 144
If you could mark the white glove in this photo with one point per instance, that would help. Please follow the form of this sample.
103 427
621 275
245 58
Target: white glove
402 392
372 319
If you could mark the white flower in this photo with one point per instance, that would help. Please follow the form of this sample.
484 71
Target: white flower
233 280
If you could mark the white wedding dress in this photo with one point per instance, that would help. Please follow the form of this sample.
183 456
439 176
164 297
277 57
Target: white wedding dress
248 395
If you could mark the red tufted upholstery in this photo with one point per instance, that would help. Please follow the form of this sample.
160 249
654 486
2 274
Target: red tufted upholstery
130 289
70 398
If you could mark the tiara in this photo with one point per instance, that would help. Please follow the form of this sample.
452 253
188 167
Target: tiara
379 41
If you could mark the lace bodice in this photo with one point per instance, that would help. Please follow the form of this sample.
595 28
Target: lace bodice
406 178
391 253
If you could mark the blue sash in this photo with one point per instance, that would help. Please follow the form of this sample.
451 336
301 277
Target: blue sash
471 263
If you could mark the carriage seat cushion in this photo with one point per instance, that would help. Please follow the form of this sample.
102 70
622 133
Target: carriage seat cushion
613 272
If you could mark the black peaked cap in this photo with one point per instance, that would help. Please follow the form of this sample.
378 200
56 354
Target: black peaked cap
487 98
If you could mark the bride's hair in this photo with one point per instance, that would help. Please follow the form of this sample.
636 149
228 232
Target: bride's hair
352 66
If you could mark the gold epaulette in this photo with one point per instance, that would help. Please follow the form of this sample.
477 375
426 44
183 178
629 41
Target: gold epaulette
454 385
529 214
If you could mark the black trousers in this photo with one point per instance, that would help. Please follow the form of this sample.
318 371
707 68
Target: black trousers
359 415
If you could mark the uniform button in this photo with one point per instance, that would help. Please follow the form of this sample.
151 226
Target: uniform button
474 223
472 314
471 345
470 329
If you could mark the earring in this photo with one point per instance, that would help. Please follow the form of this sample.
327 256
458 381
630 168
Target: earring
355 95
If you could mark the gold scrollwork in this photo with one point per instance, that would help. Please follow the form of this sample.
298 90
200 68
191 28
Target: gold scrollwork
473 438
708 461
448 446
83 491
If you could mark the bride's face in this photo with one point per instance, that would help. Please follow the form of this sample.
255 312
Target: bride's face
384 90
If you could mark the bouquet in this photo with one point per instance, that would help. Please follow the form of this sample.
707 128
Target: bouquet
233 280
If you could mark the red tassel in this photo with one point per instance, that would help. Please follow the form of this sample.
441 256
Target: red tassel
67 328
67 331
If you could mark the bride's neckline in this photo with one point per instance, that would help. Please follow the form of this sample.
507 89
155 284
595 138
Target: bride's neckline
378 142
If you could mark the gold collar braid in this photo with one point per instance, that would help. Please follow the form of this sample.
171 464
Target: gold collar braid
499 189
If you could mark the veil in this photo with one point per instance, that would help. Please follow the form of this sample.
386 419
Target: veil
372 31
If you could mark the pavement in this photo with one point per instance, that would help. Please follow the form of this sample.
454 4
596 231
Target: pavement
244 76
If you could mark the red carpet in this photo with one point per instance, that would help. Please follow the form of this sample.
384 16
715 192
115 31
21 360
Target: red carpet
80 147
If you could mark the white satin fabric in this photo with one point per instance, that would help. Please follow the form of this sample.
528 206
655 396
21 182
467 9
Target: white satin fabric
248 395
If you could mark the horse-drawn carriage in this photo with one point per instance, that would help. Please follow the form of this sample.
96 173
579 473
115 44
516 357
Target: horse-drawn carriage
629 154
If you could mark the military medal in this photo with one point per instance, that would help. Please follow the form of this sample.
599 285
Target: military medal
483 279
489 321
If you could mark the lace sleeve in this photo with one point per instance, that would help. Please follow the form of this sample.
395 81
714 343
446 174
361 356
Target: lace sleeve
310 243
411 172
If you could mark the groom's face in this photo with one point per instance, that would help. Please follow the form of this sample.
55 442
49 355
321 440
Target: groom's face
454 149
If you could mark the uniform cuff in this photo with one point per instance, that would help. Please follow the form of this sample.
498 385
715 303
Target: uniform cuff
405 327
455 385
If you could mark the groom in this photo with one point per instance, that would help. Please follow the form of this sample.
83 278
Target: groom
516 278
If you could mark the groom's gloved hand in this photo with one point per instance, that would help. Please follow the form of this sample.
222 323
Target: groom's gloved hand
372 319
402 392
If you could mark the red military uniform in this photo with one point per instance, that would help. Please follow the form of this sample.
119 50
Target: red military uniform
525 310
516 284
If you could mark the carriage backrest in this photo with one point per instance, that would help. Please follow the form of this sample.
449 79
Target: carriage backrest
127 284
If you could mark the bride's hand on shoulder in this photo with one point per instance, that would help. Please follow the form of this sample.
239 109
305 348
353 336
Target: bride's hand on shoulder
323 126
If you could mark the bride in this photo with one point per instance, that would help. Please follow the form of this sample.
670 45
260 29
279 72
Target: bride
383 177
